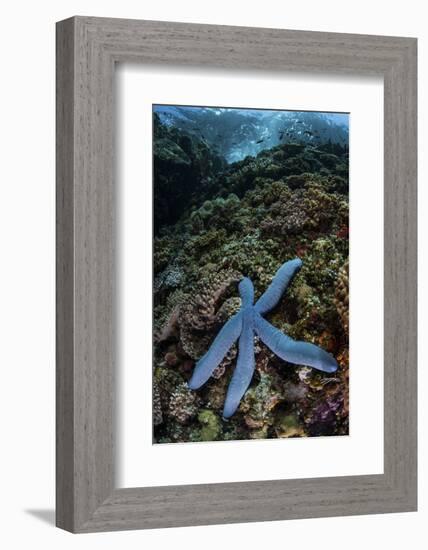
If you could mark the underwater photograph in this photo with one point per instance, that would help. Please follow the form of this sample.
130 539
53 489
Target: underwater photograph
250 274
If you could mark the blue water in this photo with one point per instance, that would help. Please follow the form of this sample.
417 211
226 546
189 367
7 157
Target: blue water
237 133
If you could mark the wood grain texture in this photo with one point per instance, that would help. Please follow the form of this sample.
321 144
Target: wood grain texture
87 50
64 277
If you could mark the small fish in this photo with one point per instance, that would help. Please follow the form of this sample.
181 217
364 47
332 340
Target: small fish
260 140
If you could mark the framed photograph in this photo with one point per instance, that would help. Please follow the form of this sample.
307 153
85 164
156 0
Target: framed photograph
236 274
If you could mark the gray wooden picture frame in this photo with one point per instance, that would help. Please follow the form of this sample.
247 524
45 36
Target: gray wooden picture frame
87 50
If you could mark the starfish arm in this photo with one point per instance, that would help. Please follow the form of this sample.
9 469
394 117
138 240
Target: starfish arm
279 283
244 368
298 353
246 291
218 349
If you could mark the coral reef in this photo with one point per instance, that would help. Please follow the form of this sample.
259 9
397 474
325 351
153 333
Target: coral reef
216 223
182 404
183 166
157 405
342 296
211 427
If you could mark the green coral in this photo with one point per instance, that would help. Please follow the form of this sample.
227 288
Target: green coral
219 213
288 425
259 404
211 425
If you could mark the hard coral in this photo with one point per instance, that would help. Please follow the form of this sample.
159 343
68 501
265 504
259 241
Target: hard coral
342 296
183 404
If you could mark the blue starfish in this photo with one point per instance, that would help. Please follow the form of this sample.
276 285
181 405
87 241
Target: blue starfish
244 325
